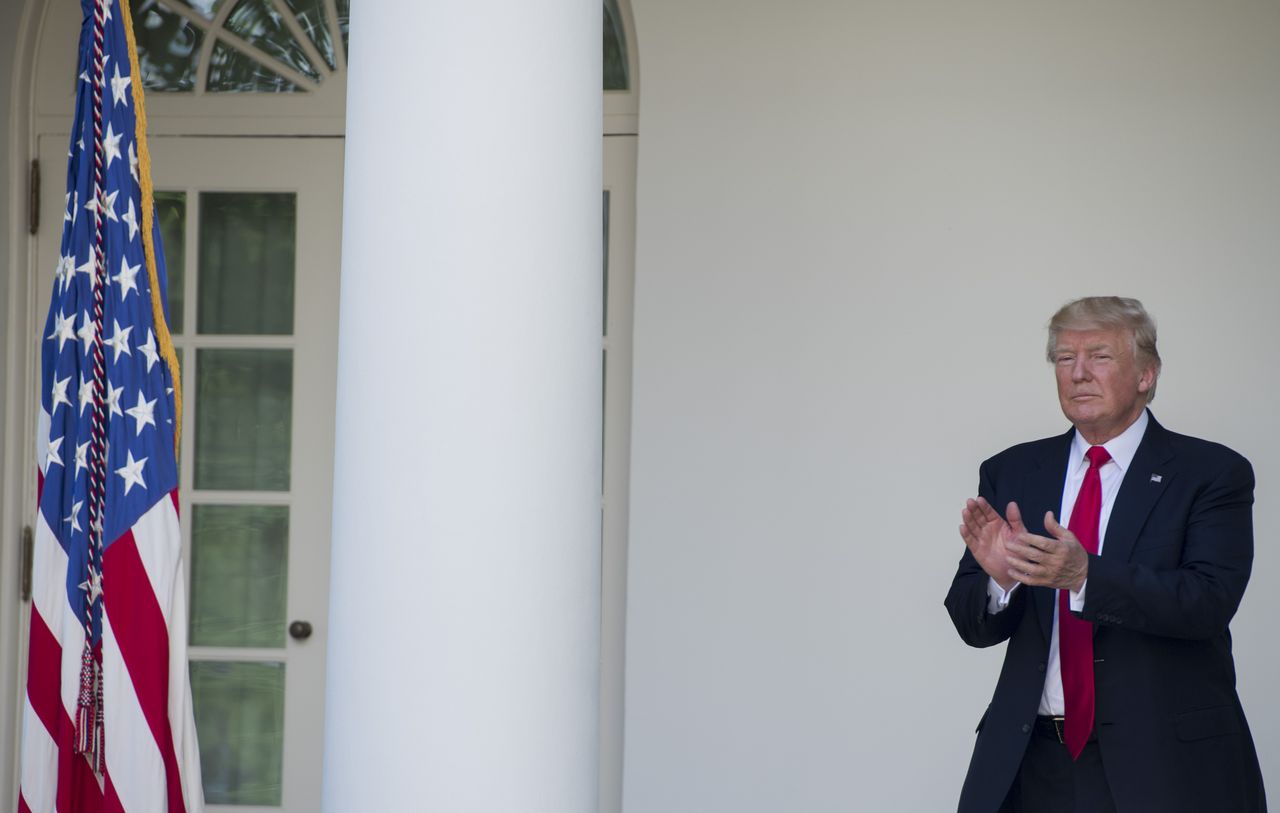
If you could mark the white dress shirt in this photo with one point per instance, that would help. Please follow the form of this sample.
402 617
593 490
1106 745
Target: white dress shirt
1122 448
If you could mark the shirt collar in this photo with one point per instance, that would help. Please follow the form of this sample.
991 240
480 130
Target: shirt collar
1122 447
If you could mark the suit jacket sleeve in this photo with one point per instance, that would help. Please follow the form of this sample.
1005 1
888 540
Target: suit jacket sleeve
967 599
1187 575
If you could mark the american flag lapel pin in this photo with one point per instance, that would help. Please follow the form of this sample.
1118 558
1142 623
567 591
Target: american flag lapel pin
1155 478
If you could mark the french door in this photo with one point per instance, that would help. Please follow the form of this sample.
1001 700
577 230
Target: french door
251 230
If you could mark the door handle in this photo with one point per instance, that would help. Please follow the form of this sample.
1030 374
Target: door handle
300 630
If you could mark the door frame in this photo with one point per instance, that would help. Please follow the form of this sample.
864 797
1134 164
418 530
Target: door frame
17 381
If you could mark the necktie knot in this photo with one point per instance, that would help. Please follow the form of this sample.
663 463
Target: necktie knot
1098 456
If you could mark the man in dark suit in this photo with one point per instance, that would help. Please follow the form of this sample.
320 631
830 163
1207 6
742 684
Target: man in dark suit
1118 686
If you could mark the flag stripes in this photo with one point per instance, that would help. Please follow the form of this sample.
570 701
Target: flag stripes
108 723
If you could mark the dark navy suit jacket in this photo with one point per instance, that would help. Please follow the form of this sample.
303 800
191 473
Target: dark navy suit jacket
1173 568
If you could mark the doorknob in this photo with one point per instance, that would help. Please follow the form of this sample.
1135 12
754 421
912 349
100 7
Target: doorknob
300 630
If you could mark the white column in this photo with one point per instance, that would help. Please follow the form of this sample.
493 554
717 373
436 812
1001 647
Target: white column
464 623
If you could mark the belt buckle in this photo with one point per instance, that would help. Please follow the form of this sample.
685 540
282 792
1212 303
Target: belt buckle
1060 727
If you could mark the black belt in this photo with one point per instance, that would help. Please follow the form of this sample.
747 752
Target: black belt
1054 728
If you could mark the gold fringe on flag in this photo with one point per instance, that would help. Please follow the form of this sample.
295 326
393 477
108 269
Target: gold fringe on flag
167 352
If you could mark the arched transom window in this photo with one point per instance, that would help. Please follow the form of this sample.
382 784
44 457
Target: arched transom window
220 46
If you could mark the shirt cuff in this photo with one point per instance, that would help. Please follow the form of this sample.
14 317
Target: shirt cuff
998 597
1076 600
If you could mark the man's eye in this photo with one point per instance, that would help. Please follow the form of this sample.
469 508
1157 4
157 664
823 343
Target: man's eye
1066 359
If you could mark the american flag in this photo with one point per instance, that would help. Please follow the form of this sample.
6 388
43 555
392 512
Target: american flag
108 724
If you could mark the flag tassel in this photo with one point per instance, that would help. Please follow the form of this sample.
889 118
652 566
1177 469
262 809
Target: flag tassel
89 711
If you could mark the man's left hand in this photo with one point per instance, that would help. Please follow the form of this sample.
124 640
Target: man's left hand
1057 561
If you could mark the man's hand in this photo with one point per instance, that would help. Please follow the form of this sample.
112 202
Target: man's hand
988 537
1059 561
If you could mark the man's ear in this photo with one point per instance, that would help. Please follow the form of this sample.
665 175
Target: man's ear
1147 379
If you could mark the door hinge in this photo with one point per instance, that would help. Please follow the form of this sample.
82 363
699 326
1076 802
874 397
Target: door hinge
33 216
28 554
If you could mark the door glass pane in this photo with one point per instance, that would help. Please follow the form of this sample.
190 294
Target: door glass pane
246 268
244 407
168 48
239 572
171 215
239 710
258 23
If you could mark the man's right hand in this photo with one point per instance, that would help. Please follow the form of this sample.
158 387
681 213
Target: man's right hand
985 533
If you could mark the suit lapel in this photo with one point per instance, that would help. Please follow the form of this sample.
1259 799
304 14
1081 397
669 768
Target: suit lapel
1044 493
1144 482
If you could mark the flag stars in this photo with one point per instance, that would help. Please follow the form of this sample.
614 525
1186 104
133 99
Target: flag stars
131 472
88 268
60 394
111 142
120 341
74 518
63 329
143 413
119 88
92 586
149 350
82 457
133 163
65 271
113 400
88 332
131 218
127 277
108 202
53 456
86 395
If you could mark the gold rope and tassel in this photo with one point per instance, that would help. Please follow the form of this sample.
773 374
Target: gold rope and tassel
165 340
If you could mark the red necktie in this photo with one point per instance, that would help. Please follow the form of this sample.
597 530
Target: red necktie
1075 636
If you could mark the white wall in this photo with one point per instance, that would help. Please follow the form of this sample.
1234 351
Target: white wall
854 221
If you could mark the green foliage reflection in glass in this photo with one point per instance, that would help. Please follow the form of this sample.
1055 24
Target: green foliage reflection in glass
239 709
168 48
616 69
244 419
344 23
313 19
258 23
233 72
239 575
246 269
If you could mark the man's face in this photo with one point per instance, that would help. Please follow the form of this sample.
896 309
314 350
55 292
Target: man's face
1101 387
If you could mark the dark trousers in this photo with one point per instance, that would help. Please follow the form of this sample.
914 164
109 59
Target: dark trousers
1049 781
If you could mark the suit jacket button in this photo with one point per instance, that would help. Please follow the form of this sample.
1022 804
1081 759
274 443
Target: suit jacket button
1026 728
1040 667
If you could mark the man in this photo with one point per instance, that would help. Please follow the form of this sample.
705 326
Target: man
1121 555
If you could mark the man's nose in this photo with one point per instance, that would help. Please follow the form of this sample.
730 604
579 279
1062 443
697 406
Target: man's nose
1080 371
